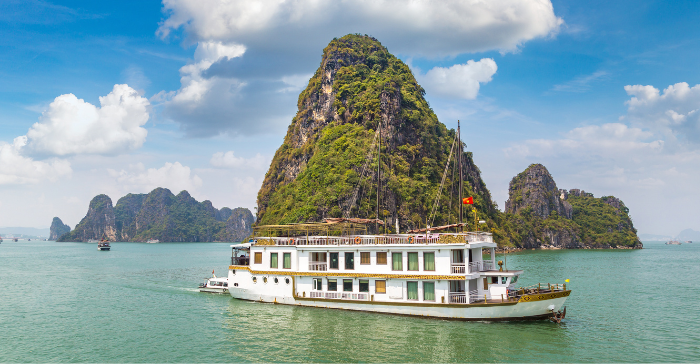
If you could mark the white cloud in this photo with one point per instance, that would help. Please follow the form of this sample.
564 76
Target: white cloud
173 176
673 112
229 160
18 169
210 102
73 126
460 81
419 27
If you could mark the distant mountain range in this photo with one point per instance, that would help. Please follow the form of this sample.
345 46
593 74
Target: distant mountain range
29 232
687 234
158 215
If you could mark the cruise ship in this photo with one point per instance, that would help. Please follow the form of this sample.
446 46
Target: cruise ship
336 264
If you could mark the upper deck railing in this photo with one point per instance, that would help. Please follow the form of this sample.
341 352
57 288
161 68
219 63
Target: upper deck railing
461 238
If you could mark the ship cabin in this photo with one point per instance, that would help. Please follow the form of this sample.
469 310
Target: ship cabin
342 263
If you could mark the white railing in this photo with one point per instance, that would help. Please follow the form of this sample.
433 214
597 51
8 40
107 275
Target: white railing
471 237
474 267
458 269
475 296
486 265
318 266
458 297
339 295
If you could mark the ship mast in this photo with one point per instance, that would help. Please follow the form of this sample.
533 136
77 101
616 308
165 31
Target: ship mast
379 177
459 159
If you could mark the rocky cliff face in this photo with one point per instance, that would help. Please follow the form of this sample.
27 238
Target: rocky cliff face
99 222
58 228
535 189
360 87
239 224
163 216
538 215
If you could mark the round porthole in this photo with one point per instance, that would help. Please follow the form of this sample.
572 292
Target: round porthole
276 280
255 279
286 280
264 279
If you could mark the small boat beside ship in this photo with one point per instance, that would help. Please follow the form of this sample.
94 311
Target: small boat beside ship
214 284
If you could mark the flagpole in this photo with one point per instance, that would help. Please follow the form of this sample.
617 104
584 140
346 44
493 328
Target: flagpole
459 142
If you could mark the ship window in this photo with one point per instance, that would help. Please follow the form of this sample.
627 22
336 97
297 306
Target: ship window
258 258
332 285
364 285
458 256
364 258
318 257
396 261
412 261
334 260
515 279
273 260
412 288
318 284
264 279
225 284
504 280
349 260
381 258
286 280
429 261
428 291
347 285
276 280
380 286
255 279
287 263
494 280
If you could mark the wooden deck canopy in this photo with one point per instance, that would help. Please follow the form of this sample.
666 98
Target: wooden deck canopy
330 227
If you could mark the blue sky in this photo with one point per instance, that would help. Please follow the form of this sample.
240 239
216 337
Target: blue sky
210 87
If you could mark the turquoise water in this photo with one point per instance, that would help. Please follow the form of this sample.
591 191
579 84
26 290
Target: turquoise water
68 302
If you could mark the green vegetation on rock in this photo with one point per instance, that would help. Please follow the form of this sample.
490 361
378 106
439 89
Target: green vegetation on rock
358 88
163 216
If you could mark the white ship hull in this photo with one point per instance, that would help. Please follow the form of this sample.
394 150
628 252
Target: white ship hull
528 307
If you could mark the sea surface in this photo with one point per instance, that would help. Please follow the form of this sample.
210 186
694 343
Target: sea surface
68 302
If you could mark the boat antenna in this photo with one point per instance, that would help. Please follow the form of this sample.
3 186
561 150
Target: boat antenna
459 158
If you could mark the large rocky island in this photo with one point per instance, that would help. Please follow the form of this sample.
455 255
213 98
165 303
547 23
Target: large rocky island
163 216
360 97
538 214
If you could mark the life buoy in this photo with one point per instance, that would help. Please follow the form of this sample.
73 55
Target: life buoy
410 240
291 241
358 240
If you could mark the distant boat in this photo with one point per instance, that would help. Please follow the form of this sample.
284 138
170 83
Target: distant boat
93 241
103 244
688 241
153 241
673 242
15 240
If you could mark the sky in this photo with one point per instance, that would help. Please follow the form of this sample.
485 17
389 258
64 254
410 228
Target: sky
123 97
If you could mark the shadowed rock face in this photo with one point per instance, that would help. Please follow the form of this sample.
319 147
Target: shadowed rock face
58 229
98 223
535 188
163 216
